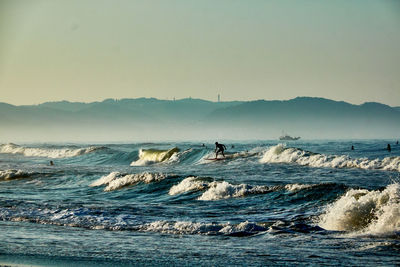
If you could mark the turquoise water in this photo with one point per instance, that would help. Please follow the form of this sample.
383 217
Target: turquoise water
303 203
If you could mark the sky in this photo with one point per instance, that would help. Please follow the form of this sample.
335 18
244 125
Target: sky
89 50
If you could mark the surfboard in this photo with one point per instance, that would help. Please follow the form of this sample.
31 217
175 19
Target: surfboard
215 158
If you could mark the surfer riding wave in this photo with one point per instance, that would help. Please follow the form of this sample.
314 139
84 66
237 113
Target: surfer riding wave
219 148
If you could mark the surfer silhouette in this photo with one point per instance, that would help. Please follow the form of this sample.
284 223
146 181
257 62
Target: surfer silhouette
389 148
219 148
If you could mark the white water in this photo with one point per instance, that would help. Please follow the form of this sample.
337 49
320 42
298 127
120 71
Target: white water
281 154
188 184
217 190
371 212
298 187
232 156
116 180
185 227
223 190
46 152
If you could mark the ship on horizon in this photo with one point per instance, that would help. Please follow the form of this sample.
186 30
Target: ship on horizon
286 137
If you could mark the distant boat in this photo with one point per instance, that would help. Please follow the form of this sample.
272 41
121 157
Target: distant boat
286 137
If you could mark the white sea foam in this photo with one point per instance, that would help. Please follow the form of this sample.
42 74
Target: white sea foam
368 212
177 156
222 190
246 226
104 180
46 152
176 227
245 154
282 154
188 184
298 187
14 174
232 156
216 190
116 180
149 156
184 227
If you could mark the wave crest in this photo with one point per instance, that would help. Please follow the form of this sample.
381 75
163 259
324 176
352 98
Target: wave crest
14 174
223 190
282 154
117 180
47 152
188 184
148 156
216 190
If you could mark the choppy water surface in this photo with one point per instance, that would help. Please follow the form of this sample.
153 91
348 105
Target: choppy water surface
309 202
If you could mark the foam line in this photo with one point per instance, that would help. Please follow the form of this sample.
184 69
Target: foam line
282 154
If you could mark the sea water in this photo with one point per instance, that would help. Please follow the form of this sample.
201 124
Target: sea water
267 203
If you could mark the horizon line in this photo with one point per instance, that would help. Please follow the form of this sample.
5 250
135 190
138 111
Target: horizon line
189 98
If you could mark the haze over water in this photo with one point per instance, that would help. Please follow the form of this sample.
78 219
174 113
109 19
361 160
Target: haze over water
109 111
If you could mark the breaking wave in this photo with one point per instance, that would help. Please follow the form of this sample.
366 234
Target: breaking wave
47 152
187 185
149 156
14 174
117 180
298 187
216 190
369 212
282 154
232 156
223 190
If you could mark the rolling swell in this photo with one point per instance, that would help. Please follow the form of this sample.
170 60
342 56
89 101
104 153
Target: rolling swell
65 152
105 219
218 190
120 157
282 154
130 218
213 190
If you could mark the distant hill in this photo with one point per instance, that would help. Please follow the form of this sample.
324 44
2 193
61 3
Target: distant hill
312 118
188 119
66 106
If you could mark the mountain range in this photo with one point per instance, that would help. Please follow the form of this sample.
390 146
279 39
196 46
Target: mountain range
145 119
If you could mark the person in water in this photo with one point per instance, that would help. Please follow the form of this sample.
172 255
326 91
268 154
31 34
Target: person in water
389 148
219 148
352 147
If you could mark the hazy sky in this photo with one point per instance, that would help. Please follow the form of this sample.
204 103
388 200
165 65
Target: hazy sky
90 50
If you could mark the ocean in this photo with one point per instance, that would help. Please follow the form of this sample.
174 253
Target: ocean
268 203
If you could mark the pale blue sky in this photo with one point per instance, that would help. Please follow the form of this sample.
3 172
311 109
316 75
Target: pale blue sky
245 50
